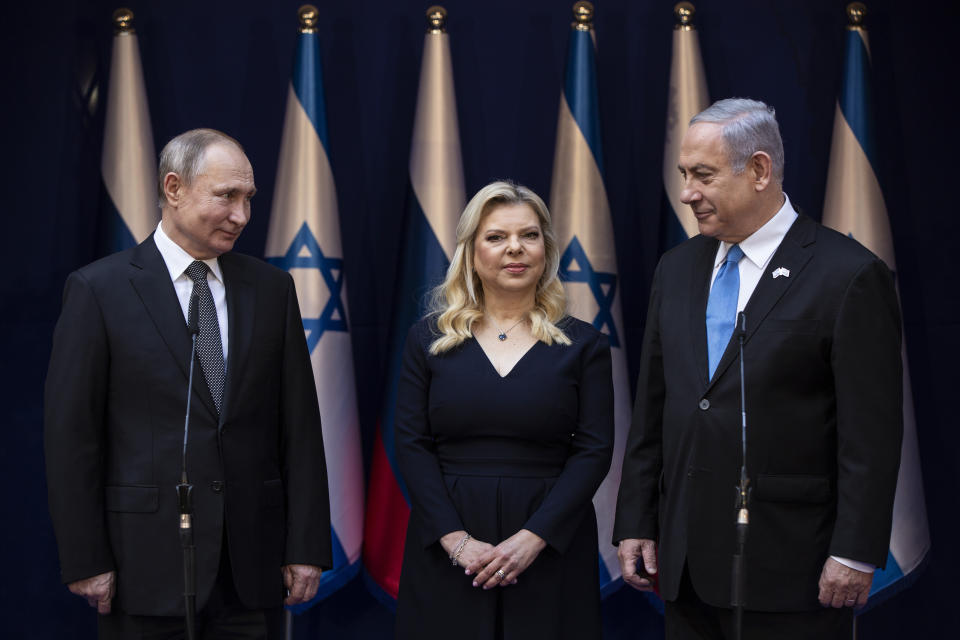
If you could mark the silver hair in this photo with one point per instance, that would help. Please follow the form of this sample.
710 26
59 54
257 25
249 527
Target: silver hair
185 153
747 126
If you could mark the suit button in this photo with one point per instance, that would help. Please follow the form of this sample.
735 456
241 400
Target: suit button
689 472
217 486
704 404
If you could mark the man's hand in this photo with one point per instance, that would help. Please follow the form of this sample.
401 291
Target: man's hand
97 590
633 551
504 562
301 581
841 586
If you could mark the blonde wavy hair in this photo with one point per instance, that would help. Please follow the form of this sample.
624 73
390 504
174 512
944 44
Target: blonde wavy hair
458 302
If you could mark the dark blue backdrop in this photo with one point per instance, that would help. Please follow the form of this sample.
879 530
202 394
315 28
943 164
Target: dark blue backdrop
227 65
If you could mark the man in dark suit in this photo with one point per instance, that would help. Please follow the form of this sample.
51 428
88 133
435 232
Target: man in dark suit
114 418
823 394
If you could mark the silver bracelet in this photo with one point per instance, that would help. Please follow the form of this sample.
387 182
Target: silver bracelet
455 556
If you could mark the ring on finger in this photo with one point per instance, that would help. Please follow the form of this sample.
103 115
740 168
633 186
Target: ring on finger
851 601
500 574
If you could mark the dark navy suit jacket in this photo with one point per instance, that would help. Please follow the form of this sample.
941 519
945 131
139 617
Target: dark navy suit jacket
114 413
824 421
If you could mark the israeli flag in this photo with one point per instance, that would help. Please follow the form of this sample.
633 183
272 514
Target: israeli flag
854 205
435 198
588 261
128 164
304 239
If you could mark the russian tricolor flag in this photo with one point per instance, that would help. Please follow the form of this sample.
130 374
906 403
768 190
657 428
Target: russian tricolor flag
588 261
304 239
128 163
686 98
435 199
854 205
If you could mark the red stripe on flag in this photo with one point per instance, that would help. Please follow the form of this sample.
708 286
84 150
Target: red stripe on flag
385 527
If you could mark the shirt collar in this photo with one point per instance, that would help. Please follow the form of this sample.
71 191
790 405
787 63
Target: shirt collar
177 260
759 246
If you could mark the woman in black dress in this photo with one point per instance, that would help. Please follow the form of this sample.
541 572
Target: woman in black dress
504 431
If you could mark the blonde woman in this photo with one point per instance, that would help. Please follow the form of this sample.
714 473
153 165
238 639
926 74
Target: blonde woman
504 432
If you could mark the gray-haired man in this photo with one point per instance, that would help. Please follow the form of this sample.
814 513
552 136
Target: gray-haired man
823 389
114 407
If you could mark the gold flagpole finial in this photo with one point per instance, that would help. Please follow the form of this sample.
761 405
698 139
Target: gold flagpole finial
582 16
123 21
684 12
308 16
436 19
856 12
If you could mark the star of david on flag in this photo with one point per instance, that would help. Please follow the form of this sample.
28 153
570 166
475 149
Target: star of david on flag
305 253
602 285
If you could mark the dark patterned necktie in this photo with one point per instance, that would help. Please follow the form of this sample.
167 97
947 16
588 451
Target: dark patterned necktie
209 345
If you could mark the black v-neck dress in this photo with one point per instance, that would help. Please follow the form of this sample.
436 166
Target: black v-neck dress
492 455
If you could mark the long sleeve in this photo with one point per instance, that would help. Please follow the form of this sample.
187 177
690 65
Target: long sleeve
638 498
415 444
867 372
304 464
590 451
74 433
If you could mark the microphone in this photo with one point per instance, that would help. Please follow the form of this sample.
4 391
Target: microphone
743 495
193 315
185 489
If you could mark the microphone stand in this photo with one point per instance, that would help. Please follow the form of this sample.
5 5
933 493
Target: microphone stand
185 491
743 498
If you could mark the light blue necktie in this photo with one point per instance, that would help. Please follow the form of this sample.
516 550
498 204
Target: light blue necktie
722 307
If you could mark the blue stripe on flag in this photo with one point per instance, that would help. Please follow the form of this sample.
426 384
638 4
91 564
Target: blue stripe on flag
672 232
883 578
580 91
423 267
332 579
607 586
891 581
856 94
308 83
114 234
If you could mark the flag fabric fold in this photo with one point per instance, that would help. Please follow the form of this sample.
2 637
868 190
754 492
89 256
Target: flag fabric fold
687 96
854 206
304 239
588 264
128 164
435 198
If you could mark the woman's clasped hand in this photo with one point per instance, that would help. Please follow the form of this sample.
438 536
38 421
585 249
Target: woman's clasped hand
499 565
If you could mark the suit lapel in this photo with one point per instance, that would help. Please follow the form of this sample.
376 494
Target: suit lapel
793 254
700 286
241 298
151 280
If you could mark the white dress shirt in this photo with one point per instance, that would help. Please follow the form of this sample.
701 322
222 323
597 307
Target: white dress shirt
758 249
177 261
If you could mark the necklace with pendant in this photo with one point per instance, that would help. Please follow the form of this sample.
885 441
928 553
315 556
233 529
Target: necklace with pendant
502 335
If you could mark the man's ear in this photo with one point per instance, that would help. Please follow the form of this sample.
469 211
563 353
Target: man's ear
760 166
172 188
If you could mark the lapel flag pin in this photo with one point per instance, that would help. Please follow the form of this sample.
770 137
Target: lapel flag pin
781 271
